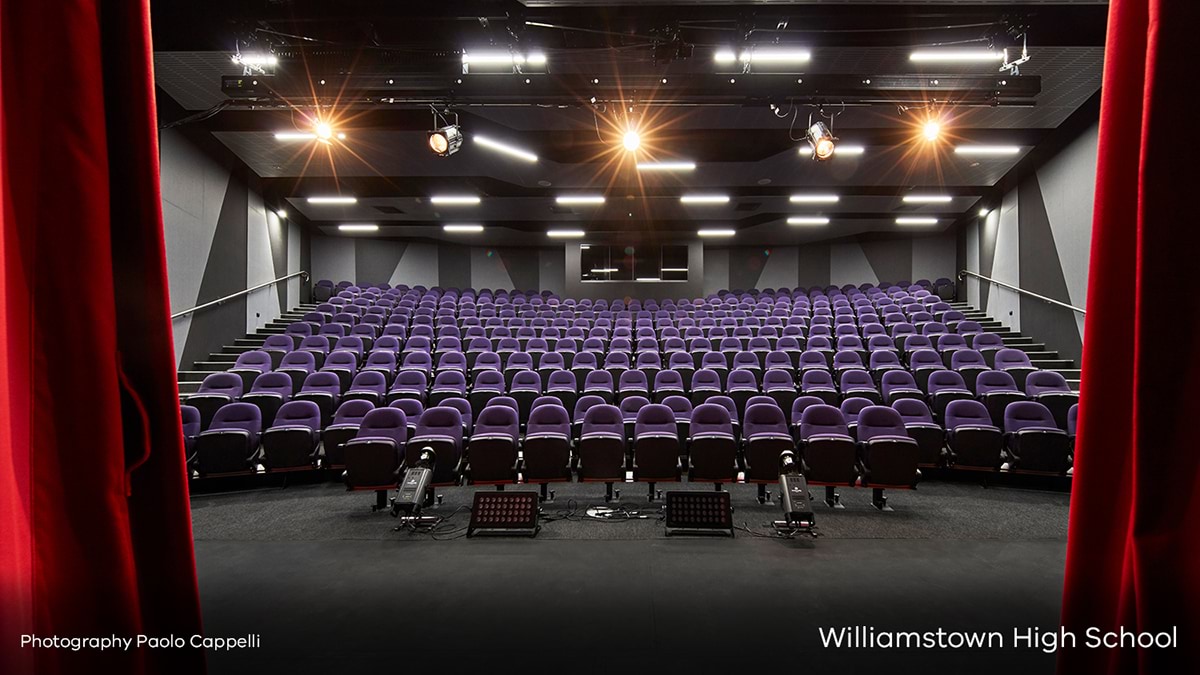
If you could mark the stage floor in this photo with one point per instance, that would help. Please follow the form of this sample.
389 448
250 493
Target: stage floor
330 586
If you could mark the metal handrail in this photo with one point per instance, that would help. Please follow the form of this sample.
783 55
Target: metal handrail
248 291
964 273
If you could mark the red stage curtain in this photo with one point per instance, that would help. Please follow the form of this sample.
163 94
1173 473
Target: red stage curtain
1133 552
95 532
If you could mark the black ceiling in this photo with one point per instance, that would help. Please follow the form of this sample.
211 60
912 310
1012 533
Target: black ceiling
619 53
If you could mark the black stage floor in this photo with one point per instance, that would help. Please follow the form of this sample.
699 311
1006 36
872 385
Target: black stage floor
331 587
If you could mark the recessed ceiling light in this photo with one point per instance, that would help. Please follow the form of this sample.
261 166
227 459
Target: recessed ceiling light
992 150
564 234
505 148
775 55
462 228
358 227
454 199
916 221
955 56
332 200
715 232
666 166
927 199
704 199
813 199
808 220
579 199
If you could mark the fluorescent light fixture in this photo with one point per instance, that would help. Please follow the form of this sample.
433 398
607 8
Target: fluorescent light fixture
454 199
255 60
332 200
916 221
505 149
987 150
955 56
474 229
666 166
294 136
808 220
493 58
603 270
724 56
927 199
535 59
674 269
848 150
813 199
359 227
704 199
565 234
648 279
579 199
584 247
716 232
773 55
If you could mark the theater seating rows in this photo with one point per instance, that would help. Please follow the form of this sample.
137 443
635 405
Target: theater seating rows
549 388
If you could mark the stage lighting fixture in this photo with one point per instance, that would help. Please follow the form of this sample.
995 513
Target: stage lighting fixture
793 497
504 513
698 512
822 141
631 140
415 490
932 130
445 141
358 227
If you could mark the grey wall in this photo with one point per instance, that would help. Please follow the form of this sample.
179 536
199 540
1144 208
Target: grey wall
837 263
398 261
221 238
1039 239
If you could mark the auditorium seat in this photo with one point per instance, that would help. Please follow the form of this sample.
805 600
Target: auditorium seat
413 409
440 429
375 454
343 364
858 384
487 385
602 446
681 407
190 417
829 454
492 452
923 363
215 391
1051 390
656 446
582 405
945 386
889 457
779 384
269 392
1016 363
409 384
996 389
667 383
600 383
230 445
975 443
765 435
918 422
346 421
1035 443
298 365
712 447
368 385
546 449
740 386
819 383
290 443
526 386
899 384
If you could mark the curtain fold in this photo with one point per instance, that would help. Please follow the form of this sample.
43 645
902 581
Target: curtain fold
1133 547
87 373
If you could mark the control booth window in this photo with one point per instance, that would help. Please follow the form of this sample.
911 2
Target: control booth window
602 262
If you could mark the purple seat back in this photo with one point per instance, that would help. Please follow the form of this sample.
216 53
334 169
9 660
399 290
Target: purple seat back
272 383
943 380
598 380
498 419
1012 358
384 424
584 404
815 379
709 418
875 421
244 416
913 411
741 380
763 418
298 414
562 380
968 413
442 420
655 418
1022 415
778 379
603 418
820 419
353 411
228 384
548 419
990 381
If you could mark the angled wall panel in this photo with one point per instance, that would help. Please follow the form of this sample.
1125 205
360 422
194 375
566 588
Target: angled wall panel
848 264
1002 304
